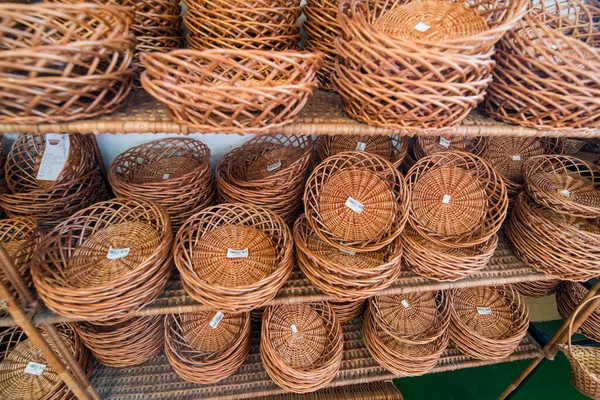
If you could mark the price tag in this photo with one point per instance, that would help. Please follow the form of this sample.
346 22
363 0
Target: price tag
55 156
484 310
351 253
444 142
446 199
355 205
274 167
516 157
294 329
166 176
576 226
360 146
565 192
404 303
422 27
34 368
233 253
115 254
214 322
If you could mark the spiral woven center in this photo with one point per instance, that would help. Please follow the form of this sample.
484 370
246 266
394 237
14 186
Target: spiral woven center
272 162
507 155
495 325
196 329
573 187
166 168
408 314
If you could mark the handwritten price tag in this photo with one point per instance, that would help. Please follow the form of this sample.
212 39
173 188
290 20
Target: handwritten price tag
233 253
115 254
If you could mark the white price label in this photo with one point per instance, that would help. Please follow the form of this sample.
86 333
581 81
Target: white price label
444 142
55 156
294 329
565 192
446 199
351 253
115 254
360 146
34 368
233 253
404 303
422 27
516 157
484 310
214 322
354 205
576 226
166 176
274 166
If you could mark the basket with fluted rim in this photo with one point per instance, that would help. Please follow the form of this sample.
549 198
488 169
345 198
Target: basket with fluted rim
392 148
19 237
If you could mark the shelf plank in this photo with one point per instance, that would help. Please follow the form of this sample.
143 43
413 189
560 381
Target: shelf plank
156 380
323 114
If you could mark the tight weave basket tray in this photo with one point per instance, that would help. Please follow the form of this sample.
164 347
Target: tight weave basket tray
301 345
537 289
424 146
568 296
105 262
348 310
174 172
231 91
203 348
234 257
392 148
356 201
488 323
19 237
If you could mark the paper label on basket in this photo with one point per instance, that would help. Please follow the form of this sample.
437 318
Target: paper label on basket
404 303
422 27
484 310
355 205
360 146
166 176
233 253
214 322
446 199
565 192
516 157
55 156
351 253
294 329
576 226
115 254
273 167
444 142
34 368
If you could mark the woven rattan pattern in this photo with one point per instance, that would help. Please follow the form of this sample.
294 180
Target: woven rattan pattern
391 148
198 330
19 237
537 289
427 145
348 310
568 297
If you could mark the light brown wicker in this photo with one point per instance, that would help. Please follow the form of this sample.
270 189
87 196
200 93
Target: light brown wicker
457 199
19 237
573 146
231 91
356 201
392 148
106 261
568 296
174 172
348 310
537 289
234 257
301 345
488 323
207 346
427 145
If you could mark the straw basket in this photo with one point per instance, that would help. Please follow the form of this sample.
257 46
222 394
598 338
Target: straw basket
19 237
424 146
234 257
392 148
174 172
488 323
207 346
347 310
105 262
301 345
568 296
537 289
3 186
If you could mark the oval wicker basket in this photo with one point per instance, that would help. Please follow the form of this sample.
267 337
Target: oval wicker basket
105 262
537 289
234 257
174 172
301 345
347 310
488 323
203 348
392 148
568 297
207 90
19 237
356 201
424 146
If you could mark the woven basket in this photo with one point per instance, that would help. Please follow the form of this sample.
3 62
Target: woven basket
301 345
173 172
348 310
74 275
342 274
424 146
203 348
3 185
356 201
568 296
573 146
231 91
19 237
488 323
457 199
129 343
564 247
392 148
537 289
564 184
234 257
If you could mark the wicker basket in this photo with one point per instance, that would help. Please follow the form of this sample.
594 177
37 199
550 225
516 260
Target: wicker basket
348 310
564 184
488 323
3 185
342 274
457 199
392 148
356 201
19 237
568 296
231 91
105 262
234 257
173 172
424 146
208 346
129 343
537 289
301 345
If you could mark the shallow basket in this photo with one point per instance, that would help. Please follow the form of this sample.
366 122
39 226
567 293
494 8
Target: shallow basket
568 296
537 289
106 261
19 237
234 257
231 91
348 310
424 146
203 348
488 323
392 148
356 201
301 345
174 172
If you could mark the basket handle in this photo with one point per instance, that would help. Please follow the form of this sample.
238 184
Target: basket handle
577 311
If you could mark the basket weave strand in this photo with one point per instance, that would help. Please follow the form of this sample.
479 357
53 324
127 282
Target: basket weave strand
391 148
19 237
568 296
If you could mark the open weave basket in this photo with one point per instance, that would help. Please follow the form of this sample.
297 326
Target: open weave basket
537 289
174 172
392 148
234 257
231 91
204 349
74 275
568 296
348 310
301 345
488 323
19 237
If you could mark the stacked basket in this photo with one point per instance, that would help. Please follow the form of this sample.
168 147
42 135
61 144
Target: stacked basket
458 203
568 297
424 146
392 148
537 289
19 237
3 187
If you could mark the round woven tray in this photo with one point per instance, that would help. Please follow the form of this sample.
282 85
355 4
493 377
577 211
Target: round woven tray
537 289
568 297
348 310
392 148
424 146
204 351
19 237
105 262
301 345
234 257
488 323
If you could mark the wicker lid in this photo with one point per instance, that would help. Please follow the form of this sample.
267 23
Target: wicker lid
211 331
508 153
166 168
272 161
485 311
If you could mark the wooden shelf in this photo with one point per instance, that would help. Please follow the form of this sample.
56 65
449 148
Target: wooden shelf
323 114
156 380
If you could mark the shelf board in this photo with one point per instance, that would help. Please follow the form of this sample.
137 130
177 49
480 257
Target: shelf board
323 114
156 380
